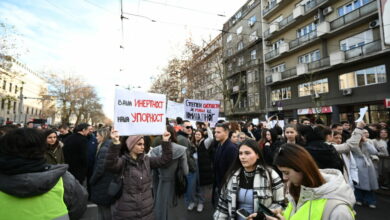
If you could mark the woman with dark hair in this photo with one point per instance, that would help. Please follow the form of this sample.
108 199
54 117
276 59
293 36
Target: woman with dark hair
204 172
268 144
53 154
32 189
101 178
136 200
312 193
324 154
248 183
164 178
292 135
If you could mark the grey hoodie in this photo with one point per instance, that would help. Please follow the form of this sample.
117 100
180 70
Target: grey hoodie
34 184
334 188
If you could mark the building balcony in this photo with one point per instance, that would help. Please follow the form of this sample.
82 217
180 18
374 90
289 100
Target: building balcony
318 64
300 12
273 7
303 40
268 79
289 73
353 53
271 54
351 17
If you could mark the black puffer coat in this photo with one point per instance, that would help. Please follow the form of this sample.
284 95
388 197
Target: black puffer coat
101 178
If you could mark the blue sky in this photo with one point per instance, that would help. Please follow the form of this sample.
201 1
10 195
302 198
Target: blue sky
82 37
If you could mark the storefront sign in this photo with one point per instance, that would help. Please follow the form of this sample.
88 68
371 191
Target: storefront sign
139 113
387 103
311 111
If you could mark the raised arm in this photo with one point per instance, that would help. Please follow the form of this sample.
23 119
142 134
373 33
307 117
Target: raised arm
210 137
166 157
114 162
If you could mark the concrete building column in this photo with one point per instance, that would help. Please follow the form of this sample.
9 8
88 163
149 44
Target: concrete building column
335 114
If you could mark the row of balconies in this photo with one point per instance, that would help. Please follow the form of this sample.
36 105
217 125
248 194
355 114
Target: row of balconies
335 58
300 10
245 66
323 28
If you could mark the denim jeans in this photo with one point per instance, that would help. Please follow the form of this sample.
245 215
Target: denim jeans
365 196
194 193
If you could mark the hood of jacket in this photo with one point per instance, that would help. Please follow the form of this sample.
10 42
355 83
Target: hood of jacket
334 188
177 151
32 184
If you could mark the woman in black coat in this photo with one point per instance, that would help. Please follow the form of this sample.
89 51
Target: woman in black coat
101 179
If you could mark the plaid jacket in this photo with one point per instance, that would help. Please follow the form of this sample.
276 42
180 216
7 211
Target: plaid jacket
270 194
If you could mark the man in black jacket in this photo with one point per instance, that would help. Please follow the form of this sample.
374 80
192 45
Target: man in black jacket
75 151
225 155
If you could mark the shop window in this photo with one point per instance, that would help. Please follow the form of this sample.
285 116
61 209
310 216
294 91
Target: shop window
364 77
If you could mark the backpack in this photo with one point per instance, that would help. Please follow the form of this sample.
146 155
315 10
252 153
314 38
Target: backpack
180 180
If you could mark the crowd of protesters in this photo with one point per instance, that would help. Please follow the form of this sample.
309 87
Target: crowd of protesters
302 170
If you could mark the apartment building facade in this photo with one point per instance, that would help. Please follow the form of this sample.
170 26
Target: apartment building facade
204 80
326 58
243 62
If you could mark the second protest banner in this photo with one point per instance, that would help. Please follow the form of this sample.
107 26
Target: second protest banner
139 113
201 110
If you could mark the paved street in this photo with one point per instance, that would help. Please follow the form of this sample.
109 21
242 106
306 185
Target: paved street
363 213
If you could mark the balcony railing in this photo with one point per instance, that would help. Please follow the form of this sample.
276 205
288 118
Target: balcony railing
271 6
271 54
366 49
286 21
353 15
312 4
324 62
289 73
305 38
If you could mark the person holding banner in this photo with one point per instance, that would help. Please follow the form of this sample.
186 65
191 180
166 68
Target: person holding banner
204 172
136 200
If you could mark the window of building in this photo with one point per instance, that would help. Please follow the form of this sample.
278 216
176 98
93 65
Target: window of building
239 30
14 107
310 57
307 29
9 104
252 20
230 67
251 3
249 76
240 61
251 100
257 99
229 38
345 9
240 45
16 89
364 77
278 68
238 15
318 86
4 84
277 20
303 2
277 44
281 94
357 40
253 36
253 55
229 52
2 103
10 87
27 110
256 75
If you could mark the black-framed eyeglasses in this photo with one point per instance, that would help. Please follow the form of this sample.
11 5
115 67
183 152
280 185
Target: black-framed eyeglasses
188 127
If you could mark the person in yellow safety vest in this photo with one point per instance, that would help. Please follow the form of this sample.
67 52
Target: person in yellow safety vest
32 189
313 194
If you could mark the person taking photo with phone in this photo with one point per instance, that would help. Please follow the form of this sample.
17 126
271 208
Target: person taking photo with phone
249 183
312 193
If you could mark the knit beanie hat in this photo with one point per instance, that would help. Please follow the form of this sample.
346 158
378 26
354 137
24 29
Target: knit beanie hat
132 140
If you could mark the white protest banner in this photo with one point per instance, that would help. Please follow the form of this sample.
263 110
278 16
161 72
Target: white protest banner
362 113
201 110
175 110
255 121
271 124
139 113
